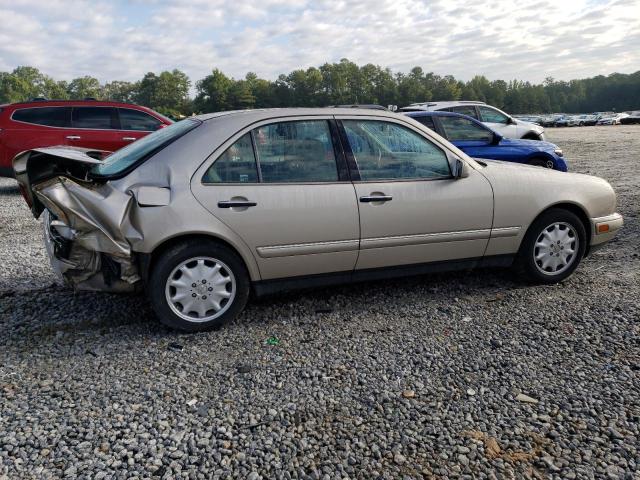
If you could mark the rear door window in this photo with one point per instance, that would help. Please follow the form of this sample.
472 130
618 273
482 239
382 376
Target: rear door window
426 121
236 165
135 120
48 116
466 110
297 151
98 118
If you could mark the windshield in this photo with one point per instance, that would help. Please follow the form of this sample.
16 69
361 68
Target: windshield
125 158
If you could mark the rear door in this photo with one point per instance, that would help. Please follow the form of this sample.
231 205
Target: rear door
94 127
34 127
135 124
412 210
283 187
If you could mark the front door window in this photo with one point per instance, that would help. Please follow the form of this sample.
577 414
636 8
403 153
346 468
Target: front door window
459 129
388 151
491 115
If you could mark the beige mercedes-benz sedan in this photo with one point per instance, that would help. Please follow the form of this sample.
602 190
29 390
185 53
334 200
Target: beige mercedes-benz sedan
212 208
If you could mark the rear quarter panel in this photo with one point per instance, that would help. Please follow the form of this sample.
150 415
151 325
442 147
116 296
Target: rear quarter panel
173 168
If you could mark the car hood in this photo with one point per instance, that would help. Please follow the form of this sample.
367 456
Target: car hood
532 126
537 145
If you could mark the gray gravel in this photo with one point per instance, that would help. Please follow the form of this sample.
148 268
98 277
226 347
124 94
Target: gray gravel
469 375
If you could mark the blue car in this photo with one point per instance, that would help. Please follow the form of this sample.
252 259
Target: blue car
479 141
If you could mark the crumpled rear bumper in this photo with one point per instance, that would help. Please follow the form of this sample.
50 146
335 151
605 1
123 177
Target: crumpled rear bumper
86 246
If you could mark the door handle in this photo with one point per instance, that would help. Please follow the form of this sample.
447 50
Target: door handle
128 139
73 137
376 198
235 203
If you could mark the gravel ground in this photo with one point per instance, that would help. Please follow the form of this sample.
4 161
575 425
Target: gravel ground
420 378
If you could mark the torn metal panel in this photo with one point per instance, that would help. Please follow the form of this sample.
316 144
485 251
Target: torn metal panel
97 213
95 232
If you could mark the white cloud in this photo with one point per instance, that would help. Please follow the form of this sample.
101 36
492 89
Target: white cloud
507 39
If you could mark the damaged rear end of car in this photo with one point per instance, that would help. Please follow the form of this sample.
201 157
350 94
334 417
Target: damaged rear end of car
87 226
91 223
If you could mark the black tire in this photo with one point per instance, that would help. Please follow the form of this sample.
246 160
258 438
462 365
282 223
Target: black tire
542 162
526 263
531 136
178 255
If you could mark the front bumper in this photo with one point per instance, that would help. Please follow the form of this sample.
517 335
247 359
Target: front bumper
603 229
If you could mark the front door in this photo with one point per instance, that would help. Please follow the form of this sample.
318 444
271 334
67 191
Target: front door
473 138
280 188
412 210
94 128
499 122
134 125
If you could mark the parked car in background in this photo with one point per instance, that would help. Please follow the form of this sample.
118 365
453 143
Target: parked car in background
565 121
537 119
633 118
215 206
587 120
614 119
479 141
550 120
501 122
96 125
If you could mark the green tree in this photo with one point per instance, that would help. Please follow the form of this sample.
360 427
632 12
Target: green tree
84 87
168 93
119 91
240 95
212 92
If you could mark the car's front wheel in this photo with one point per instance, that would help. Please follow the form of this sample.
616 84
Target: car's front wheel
553 247
198 285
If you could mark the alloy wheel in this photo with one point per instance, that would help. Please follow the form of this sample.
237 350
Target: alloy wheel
200 289
556 248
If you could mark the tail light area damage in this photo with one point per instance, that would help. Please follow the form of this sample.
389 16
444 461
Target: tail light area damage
89 226
88 230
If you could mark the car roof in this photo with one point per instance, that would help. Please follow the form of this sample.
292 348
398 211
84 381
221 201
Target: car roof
446 103
266 113
436 113
82 103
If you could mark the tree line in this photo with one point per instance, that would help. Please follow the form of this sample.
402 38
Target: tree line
336 83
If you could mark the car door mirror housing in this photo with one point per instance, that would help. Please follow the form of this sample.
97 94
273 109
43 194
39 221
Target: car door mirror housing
496 138
460 169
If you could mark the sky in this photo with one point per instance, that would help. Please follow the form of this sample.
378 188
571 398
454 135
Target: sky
501 39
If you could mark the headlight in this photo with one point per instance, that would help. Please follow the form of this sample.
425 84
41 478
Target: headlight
558 151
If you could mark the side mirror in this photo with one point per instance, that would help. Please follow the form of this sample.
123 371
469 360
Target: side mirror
496 138
510 121
460 169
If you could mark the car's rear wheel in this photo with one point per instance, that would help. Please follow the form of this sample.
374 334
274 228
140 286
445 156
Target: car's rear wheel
553 247
198 285
542 162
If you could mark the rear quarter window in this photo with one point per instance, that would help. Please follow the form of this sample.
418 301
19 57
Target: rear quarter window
47 116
